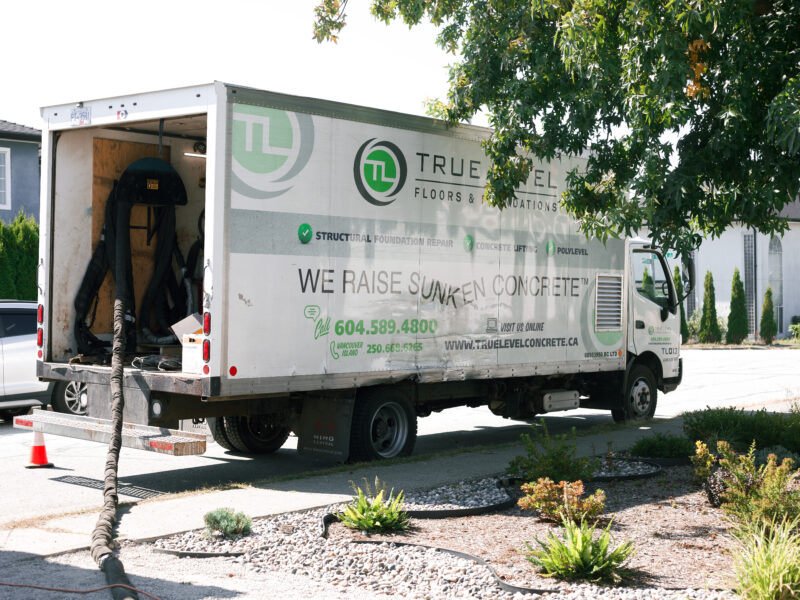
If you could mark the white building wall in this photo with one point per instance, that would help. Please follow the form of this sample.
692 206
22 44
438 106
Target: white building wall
723 254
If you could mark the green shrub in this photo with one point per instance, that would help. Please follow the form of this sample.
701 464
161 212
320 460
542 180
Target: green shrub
228 523
580 556
780 453
768 327
767 561
709 332
556 501
747 492
26 232
795 331
663 445
8 262
370 512
741 428
737 318
553 457
676 279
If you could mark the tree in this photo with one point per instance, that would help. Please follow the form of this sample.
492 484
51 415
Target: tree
768 327
709 327
26 231
8 262
737 318
621 80
648 285
676 279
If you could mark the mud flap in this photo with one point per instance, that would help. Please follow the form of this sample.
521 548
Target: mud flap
324 430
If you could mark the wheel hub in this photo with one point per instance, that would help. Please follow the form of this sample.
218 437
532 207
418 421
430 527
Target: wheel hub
640 397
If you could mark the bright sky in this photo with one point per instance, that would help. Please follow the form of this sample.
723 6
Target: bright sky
57 52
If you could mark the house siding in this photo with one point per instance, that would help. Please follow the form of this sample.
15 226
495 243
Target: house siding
24 157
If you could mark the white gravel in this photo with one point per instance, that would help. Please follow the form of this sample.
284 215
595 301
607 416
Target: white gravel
290 544
624 468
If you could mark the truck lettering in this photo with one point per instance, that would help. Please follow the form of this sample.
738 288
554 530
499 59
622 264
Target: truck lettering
372 282
313 281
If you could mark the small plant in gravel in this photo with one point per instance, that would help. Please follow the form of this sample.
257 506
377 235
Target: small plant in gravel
663 445
767 561
581 555
228 523
553 457
554 501
370 512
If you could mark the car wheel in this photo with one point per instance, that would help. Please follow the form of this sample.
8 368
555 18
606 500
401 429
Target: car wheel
641 395
384 426
257 434
71 397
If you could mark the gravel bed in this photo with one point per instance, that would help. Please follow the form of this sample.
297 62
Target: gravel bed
464 494
624 468
290 543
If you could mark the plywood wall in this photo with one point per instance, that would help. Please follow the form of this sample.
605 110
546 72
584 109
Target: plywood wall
110 159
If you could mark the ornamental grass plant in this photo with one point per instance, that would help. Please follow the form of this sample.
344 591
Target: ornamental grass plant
767 560
376 510
580 555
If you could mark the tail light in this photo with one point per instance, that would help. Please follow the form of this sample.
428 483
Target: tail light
206 323
39 337
40 314
206 350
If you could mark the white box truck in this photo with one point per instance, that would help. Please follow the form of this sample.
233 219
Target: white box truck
351 278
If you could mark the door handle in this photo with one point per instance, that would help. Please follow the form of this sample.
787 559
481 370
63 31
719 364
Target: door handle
639 324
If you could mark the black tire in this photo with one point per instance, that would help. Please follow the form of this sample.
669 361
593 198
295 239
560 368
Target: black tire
641 396
69 397
384 426
257 434
217 427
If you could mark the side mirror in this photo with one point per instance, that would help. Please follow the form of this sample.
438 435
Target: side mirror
688 276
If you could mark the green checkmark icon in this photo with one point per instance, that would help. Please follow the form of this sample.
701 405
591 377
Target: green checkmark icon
305 233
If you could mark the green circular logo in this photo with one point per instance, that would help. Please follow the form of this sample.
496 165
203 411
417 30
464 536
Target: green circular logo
469 243
380 171
550 248
305 233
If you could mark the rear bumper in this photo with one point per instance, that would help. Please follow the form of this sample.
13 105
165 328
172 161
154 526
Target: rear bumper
147 381
673 382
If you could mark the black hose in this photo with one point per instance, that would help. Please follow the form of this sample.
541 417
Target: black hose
102 536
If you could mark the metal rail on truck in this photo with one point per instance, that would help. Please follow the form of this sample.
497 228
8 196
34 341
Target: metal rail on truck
141 437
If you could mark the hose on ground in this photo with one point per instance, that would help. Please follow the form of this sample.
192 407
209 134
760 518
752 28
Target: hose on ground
102 536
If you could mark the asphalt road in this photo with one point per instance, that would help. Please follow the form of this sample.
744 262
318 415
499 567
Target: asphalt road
749 378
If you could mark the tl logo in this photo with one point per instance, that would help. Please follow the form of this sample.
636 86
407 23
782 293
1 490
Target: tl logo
380 171
270 147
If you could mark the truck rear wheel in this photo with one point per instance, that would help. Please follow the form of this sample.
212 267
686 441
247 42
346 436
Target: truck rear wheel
641 395
217 427
384 426
257 434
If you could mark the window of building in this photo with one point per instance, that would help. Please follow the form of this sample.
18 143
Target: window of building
750 280
5 178
775 265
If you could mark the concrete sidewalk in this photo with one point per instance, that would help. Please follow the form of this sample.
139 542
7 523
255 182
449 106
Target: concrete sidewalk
165 516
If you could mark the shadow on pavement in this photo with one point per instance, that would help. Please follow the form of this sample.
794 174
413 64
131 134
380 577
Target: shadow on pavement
24 568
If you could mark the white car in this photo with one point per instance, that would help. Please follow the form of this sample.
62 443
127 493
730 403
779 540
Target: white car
20 389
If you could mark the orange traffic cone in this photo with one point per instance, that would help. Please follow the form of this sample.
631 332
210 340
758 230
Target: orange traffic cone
38 453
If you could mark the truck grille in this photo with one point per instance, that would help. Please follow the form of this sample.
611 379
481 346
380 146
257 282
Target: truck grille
608 303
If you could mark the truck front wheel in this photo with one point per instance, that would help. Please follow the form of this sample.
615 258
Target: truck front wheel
384 426
257 434
639 402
